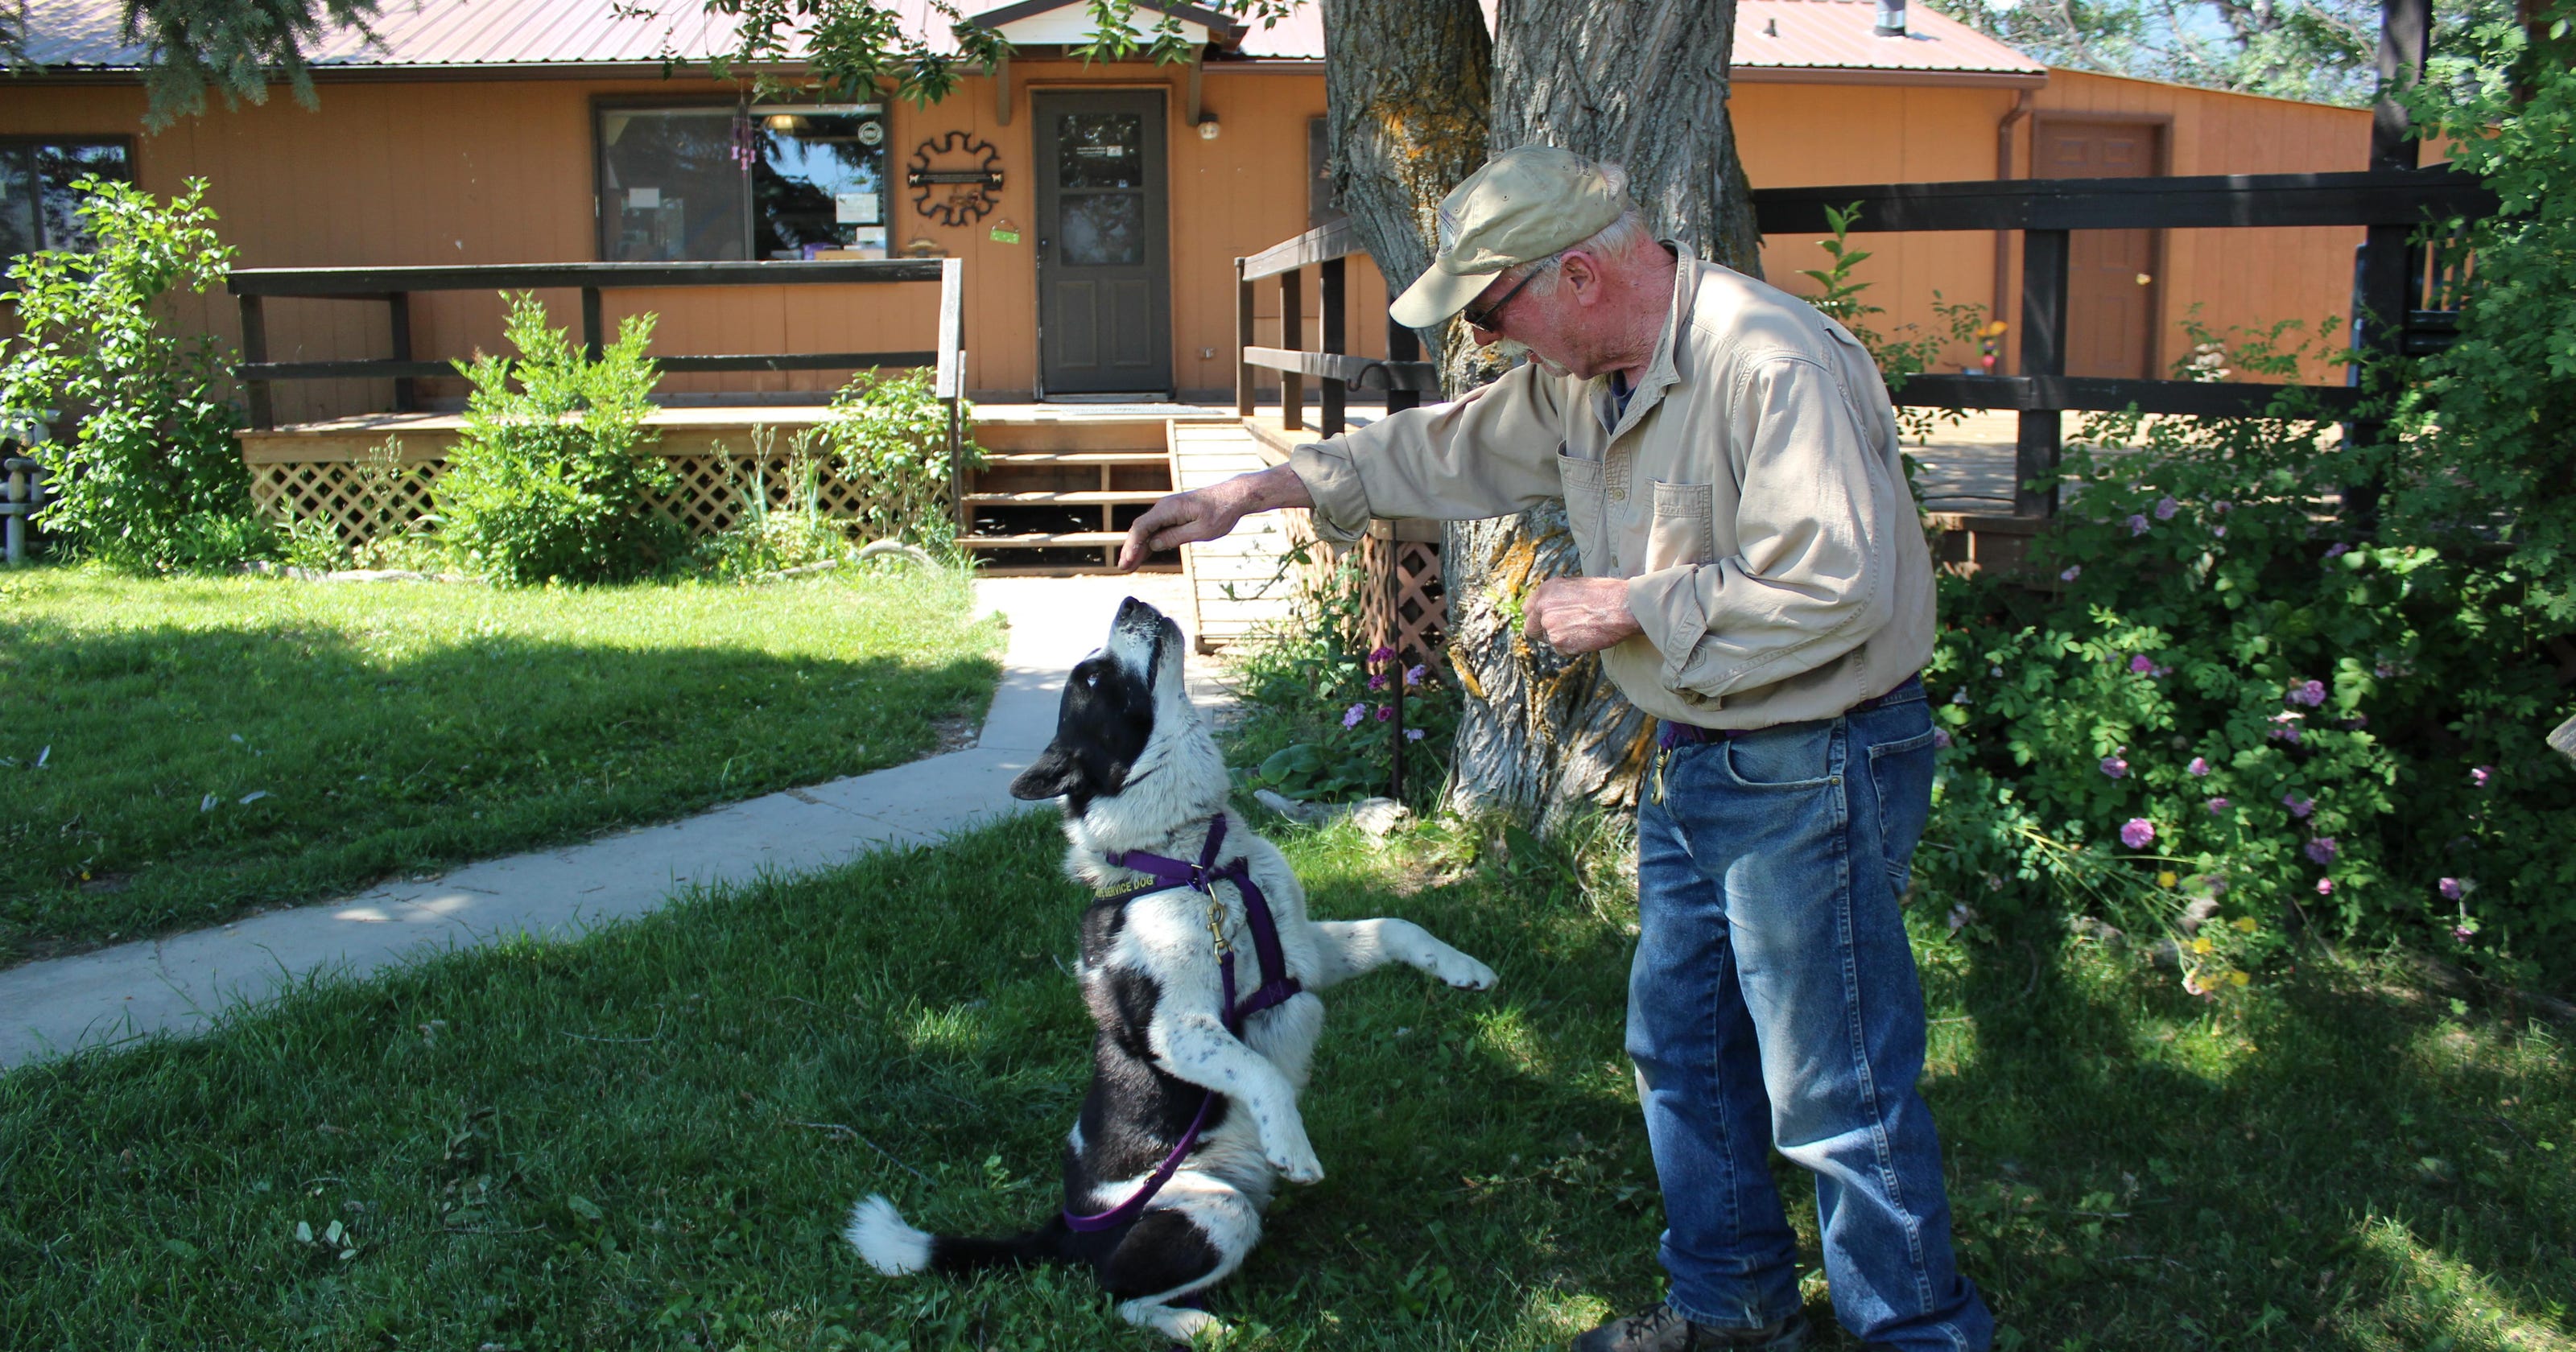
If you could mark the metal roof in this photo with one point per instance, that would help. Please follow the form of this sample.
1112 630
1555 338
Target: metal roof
1769 34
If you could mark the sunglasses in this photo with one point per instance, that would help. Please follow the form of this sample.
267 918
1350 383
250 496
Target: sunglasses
1484 318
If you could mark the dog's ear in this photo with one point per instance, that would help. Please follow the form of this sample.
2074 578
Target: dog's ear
1056 773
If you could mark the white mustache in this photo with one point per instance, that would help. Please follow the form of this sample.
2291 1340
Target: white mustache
1513 352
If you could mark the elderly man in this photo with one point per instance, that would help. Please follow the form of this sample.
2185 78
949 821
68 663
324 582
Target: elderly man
1754 578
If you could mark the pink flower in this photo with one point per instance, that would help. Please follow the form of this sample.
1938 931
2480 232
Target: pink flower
2137 833
1941 737
2479 776
2115 767
2449 888
1413 734
2461 933
2217 805
1378 681
1351 716
2198 766
2165 509
2325 887
2071 574
2299 807
2221 507
1382 654
2137 524
2309 693
1385 712
1415 675
2219 531
2141 664
2323 849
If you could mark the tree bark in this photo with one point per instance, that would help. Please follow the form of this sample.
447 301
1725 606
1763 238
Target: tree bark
1641 84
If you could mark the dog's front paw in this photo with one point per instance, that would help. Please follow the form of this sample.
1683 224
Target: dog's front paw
1467 974
1294 1159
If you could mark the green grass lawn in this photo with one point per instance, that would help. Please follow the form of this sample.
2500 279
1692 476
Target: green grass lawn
649 1138
177 752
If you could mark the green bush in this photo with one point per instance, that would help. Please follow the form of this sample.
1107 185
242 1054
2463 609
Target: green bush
556 479
767 535
145 470
2230 697
889 437
1321 710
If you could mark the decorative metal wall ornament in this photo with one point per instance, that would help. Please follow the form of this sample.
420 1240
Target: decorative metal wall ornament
971 189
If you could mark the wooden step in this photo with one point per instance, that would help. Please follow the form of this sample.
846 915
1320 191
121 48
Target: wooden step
1076 539
1066 569
1076 497
1067 459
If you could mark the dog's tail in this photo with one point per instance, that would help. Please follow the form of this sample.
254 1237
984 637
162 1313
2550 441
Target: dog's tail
878 1232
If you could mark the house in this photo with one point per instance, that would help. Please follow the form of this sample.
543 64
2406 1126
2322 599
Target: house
1098 208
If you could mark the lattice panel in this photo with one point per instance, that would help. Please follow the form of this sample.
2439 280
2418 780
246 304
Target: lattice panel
1406 604
361 499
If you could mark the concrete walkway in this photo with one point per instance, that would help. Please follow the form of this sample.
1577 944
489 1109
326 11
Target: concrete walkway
176 985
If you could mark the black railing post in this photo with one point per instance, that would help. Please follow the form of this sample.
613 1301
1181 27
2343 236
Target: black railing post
406 389
2043 353
2384 284
1244 395
1402 344
254 325
1336 394
1292 338
590 322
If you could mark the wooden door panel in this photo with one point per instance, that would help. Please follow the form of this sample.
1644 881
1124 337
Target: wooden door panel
2111 290
1104 256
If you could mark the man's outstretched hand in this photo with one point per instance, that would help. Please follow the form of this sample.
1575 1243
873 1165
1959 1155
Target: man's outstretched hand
1209 513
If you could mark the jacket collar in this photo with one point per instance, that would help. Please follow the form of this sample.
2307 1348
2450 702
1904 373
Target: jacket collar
1662 372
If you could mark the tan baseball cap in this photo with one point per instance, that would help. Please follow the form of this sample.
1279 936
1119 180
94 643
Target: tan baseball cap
1524 205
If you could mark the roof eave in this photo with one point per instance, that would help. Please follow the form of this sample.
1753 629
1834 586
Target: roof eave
1875 75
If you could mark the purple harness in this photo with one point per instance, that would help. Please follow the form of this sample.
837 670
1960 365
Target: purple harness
1276 987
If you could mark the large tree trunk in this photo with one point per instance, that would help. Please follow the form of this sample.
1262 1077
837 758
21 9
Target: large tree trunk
1642 84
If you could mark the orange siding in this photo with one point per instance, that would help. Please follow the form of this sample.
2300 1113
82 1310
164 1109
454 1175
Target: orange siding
500 171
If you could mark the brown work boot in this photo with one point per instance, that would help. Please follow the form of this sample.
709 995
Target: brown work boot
1659 1328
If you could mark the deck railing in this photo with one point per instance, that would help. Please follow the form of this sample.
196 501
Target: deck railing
395 286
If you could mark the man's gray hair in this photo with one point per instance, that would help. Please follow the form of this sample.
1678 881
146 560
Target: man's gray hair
1615 240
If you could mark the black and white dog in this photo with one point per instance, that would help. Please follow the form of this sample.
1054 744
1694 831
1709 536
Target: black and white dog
1140 777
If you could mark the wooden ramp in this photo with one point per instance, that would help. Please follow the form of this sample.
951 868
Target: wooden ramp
1244 581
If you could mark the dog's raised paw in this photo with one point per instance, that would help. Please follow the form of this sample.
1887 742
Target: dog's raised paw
1296 1163
1467 974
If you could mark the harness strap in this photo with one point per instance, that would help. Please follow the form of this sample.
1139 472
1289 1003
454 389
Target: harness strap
1276 988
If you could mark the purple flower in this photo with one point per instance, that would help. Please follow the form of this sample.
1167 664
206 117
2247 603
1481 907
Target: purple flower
1415 675
2219 531
2165 509
1351 716
2325 887
2383 671
2449 888
1413 734
1382 654
2137 524
2478 777
2199 766
2323 849
1385 712
2299 807
2115 767
2141 664
2137 833
2221 507
1378 681
2337 550
2461 933
1941 737
2217 805
2309 693
2071 574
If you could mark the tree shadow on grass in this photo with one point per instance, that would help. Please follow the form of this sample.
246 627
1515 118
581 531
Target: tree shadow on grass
193 775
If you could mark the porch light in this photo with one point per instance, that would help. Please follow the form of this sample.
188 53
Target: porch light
786 122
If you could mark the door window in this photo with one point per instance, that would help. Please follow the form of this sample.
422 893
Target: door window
1100 182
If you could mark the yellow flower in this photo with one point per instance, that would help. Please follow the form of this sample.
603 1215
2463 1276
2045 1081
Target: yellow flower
2166 878
2238 979
2202 945
2244 924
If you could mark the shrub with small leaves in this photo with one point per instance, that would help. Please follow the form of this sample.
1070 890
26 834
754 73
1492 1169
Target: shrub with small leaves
889 436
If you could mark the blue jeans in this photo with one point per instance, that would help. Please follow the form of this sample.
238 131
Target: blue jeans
1774 1002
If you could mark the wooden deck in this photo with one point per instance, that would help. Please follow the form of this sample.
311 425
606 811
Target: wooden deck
1243 581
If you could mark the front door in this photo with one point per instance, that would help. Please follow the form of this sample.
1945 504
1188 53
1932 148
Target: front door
2111 290
1104 249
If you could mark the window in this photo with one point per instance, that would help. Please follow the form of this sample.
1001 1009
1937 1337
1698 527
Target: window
720 182
36 197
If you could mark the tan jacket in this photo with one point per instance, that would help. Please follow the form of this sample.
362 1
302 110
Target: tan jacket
1752 495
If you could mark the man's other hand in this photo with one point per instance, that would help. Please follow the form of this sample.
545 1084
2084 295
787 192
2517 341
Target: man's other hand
1209 513
1578 615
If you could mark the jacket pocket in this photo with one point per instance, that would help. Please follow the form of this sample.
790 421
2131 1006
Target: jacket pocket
1684 530
1583 508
